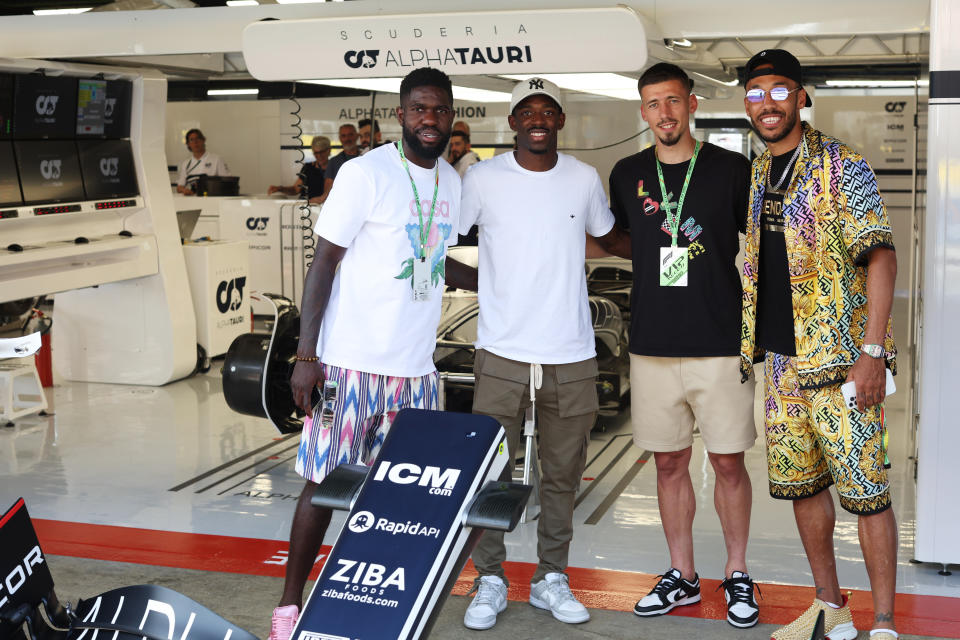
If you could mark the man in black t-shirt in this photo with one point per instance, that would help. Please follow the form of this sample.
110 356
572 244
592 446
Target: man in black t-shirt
684 203
310 179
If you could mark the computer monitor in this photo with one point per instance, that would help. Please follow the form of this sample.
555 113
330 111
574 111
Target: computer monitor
6 105
91 106
116 114
10 195
49 171
217 185
44 107
187 221
108 169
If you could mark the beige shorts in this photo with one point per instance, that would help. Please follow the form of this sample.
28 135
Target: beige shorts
669 395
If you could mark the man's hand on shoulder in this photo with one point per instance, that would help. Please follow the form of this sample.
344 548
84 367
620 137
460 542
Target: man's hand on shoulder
305 378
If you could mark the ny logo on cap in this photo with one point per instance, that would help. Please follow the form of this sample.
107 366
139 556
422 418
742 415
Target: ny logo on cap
536 83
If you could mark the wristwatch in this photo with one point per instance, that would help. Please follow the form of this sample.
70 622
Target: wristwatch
873 350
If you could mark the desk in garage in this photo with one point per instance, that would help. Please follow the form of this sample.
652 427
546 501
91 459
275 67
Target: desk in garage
218 271
271 228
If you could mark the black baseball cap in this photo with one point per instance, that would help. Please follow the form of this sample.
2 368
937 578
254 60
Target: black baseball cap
775 62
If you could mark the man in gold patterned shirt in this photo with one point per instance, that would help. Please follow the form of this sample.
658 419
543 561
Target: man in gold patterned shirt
817 292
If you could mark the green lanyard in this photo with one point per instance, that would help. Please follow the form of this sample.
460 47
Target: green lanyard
416 196
671 207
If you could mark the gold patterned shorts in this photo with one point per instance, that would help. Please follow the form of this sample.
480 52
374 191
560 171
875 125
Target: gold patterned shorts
814 441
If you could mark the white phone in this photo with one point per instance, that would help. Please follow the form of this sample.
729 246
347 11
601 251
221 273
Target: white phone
849 390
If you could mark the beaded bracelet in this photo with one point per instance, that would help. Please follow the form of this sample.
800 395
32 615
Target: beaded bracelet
307 358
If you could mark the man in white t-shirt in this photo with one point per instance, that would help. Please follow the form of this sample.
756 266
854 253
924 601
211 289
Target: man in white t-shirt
200 162
371 305
533 207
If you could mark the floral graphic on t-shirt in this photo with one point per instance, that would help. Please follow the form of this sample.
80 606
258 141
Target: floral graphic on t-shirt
436 250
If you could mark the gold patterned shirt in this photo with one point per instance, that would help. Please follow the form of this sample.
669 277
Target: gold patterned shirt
828 234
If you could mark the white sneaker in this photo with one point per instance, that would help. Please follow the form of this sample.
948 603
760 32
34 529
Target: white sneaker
553 593
490 600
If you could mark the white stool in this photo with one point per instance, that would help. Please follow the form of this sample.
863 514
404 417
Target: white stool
20 390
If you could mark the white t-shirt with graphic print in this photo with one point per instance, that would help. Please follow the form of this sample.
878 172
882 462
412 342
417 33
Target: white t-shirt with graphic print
532 282
372 322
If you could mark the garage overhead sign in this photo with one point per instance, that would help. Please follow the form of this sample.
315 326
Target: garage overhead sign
470 43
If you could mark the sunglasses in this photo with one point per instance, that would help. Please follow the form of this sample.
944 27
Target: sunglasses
777 93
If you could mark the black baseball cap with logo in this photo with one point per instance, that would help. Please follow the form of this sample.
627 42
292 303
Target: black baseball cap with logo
775 62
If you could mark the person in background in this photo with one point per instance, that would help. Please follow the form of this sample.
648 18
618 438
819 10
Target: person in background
348 140
461 156
200 162
363 127
311 177
462 127
818 280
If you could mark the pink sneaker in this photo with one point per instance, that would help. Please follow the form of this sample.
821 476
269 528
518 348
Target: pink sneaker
284 620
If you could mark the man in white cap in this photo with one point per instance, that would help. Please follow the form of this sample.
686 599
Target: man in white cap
533 207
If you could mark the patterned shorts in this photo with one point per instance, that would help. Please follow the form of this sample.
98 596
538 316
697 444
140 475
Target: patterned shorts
366 406
814 441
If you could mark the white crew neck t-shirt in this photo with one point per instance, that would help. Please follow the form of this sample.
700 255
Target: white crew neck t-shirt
371 322
209 163
532 283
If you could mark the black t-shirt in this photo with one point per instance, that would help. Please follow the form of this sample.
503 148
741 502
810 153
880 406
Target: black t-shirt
313 177
774 301
703 318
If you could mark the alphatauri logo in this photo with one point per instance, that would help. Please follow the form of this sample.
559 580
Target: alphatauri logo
257 224
366 59
895 106
230 294
109 166
440 481
50 169
46 105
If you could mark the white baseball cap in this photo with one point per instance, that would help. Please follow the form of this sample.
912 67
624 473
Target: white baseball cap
534 87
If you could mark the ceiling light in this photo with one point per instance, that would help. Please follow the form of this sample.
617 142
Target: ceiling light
242 3
479 95
881 84
392 85
233 92
611 85
59 12
386 85
303 1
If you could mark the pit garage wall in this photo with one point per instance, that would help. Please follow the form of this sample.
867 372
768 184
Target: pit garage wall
938 510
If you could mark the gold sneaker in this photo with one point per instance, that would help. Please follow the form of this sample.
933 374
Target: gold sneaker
838 623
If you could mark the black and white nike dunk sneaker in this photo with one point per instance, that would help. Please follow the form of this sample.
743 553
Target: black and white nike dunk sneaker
671 591
742 609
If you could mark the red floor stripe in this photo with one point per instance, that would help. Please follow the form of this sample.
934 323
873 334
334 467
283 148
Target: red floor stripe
597 588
